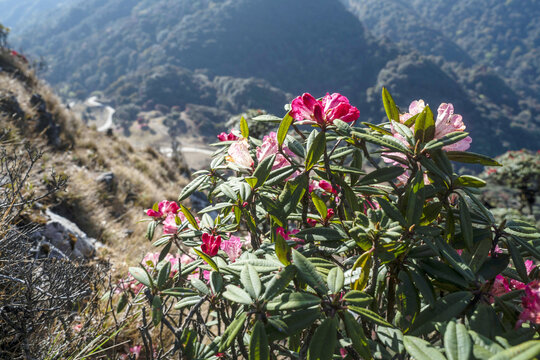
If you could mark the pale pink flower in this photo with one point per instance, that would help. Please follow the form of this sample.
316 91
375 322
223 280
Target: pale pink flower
239 154
448 122
531 304
169 225
233 247
136 350
308 110
270 147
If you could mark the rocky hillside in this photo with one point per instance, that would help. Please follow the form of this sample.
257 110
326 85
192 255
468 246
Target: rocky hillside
231 55
109 183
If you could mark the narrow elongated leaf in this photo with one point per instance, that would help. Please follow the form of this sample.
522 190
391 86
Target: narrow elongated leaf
284 128
424 126
319 205
320 234
279 282
457 342
447 139
471 158
518 261
424 286
291 323
385 140
192 187
356 334
370 315
207 258
391 337
408 301
293 301
358 298
335 280
483 347
157 314
235 294
363 262
263 170
244 128
420 349
451 255
316 150
324 341
527 351
189 216
390 107
309 273
150 229
392 211
251 281
382 175
465 223
283 250
163 274
231 331
415 202
442 272
258 345
469 181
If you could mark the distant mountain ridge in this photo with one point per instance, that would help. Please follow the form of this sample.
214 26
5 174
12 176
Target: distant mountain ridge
124 48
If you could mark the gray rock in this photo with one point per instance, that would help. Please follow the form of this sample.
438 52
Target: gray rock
108 179
64 237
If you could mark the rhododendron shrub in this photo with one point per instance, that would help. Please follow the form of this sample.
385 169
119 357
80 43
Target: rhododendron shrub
315 245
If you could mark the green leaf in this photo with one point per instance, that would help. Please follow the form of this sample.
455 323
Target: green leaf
316 150
390 107
252 181
392 211
283 250
424 286
527 351
263 170
163 275
408 301
358 298
293 301
415 202
364 262
320 234
382 175
231 331
447 139
443 272
465 223
518 261
356 334
457 342
471 158
385 140
420 349
207 258
451 255
291 323
189 216
216 282
527 246
188 301
324 341
368 314
200 286
192 187
157 314
483 347
284 128
319 205
391 337
469 181
150 229
308 273
279 282
258 345
251 281
267 118
236 294
424 126
446 308
142 276
335 280
244 128
493 266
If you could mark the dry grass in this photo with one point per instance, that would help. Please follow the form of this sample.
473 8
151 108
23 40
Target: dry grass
142 177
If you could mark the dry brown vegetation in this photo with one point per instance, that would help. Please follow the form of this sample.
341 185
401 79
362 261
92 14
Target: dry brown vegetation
107 213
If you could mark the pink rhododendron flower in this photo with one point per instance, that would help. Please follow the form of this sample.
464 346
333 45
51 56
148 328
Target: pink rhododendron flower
164 208
287 235
233 247
227 137
270 147
239 154
308 110
322 185
210 245
531 304
169 225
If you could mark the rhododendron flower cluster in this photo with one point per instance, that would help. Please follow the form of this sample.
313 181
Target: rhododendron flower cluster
165 208
531 304
232 247
239 154
210 244
270 147
306 109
